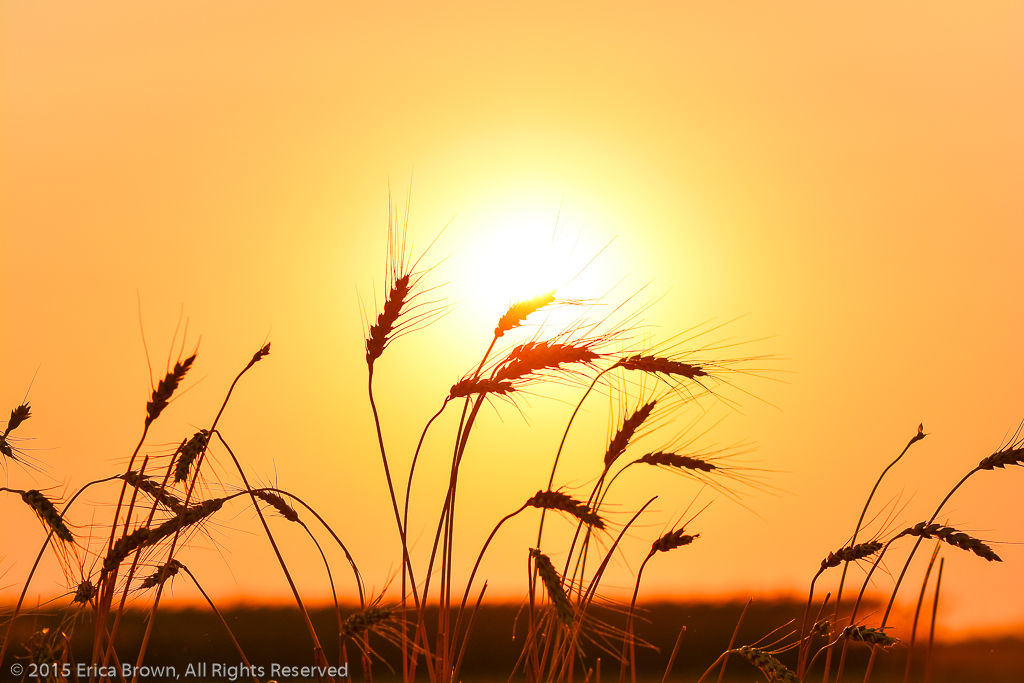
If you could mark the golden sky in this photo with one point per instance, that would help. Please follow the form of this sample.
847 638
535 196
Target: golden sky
845 177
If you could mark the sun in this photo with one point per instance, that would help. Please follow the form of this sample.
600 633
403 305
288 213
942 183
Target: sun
514 258
518 252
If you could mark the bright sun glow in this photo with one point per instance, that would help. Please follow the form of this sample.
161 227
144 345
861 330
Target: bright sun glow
523 253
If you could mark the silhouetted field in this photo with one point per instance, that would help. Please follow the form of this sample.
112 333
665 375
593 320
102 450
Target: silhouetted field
565 635
276 636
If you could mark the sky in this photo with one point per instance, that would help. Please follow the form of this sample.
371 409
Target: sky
826 194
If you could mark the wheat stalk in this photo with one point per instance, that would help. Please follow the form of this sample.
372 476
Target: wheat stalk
842 580
160 398
670 541
35 564
144 537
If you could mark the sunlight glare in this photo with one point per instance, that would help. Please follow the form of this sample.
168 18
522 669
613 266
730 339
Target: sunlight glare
522 253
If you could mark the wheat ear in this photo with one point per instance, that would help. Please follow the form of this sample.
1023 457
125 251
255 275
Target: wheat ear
381 330
662 366
149 486
277 502
553 584
366 620
617 446
35 564
676 461
48 514
871 636
556 500
1013 454
519 311
843 556
161 575
166 388
851 553
144 537
479 385
84 593
531 358
953 537
771 667
188 452
18 415
672 540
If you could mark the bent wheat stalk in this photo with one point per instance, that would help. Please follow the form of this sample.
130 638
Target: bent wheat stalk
676 538
318 651
917 612
159 400
1011 454
39 556
842 579
844 556
220 616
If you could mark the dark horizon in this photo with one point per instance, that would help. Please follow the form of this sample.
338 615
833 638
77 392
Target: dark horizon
276 635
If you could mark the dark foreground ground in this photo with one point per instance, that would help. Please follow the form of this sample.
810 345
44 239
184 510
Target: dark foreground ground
196 644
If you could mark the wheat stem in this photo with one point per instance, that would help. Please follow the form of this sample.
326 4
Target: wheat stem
391 487
469 627
931 631
318 650
917 612
842 580
220 616
627 639
259 355
906 565
732 643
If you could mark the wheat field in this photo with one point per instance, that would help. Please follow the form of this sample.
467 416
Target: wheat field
420 623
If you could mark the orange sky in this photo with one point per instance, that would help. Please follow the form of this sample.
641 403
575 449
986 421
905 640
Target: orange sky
846 178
